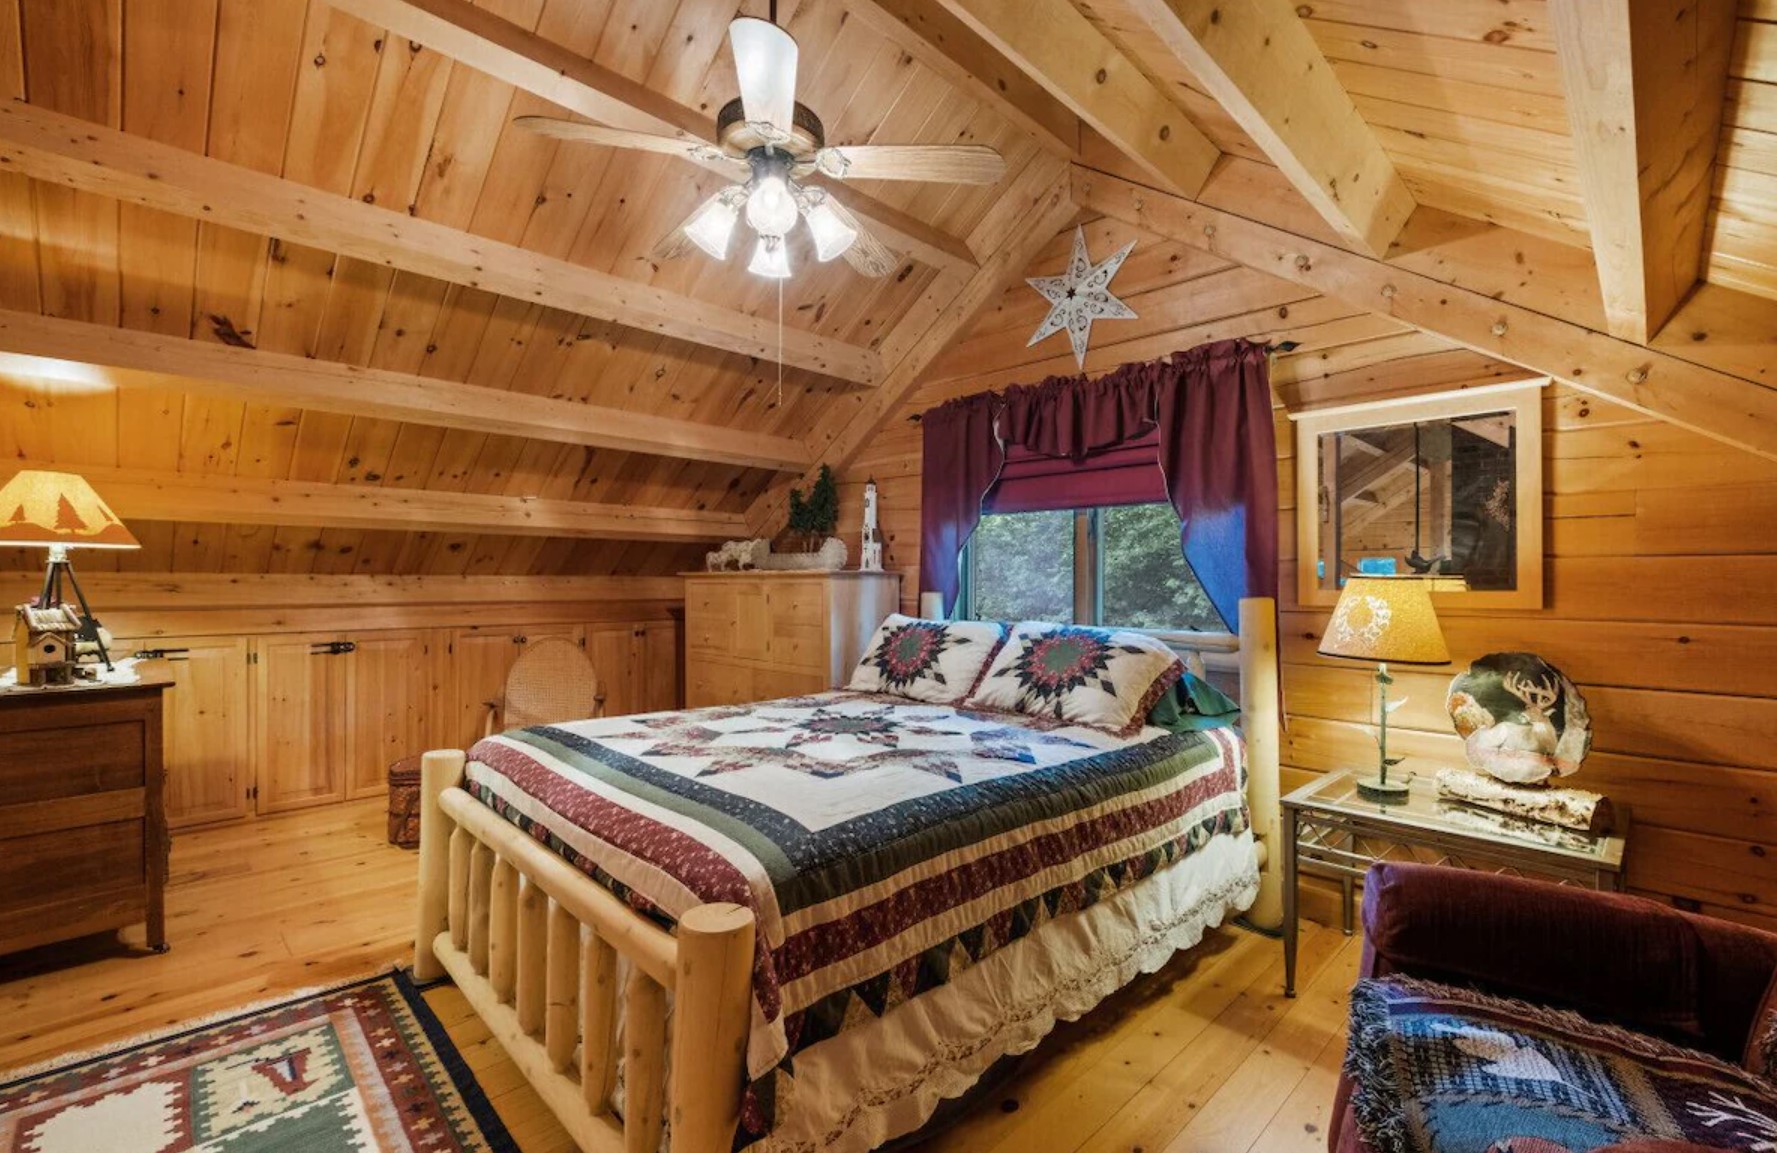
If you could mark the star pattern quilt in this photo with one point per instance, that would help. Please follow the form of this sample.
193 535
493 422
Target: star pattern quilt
883 845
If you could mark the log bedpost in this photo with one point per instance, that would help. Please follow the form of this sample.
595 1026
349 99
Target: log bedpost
439 770
1261 722
713 987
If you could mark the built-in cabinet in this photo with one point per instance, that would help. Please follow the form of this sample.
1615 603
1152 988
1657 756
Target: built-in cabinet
755 636
268 723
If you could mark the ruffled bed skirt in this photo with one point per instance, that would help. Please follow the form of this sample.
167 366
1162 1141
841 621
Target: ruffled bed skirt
884 1077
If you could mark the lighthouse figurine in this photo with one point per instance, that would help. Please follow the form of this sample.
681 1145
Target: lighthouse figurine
870 556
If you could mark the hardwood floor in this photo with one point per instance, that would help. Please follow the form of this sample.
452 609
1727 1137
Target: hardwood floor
1205 1056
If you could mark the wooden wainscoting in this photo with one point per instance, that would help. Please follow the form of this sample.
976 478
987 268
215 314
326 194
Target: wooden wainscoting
294 692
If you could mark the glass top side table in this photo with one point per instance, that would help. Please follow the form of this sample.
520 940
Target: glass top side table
1330 830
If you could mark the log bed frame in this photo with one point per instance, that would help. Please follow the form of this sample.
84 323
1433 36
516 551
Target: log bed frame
533 943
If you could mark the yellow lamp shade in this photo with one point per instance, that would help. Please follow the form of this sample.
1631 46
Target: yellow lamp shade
1387 619
39 509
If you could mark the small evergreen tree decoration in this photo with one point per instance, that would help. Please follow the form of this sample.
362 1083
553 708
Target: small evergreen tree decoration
813 518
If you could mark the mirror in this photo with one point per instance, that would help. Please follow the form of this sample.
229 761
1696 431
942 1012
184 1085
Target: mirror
1449 486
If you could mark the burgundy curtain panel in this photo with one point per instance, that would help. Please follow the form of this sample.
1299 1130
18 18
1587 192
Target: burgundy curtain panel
1203 418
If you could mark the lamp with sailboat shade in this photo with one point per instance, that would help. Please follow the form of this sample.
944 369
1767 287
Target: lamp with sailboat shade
1386 620
60 511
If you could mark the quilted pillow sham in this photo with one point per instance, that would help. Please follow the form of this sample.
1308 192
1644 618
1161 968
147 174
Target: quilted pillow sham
937 662
1106 678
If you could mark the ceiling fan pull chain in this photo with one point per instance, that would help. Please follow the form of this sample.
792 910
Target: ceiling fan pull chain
780 335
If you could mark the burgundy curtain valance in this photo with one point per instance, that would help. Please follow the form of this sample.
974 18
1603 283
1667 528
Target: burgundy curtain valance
1204 415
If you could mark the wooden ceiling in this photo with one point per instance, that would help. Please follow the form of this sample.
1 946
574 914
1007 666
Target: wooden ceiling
387 333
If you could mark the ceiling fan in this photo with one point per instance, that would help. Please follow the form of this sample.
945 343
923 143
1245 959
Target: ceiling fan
769 145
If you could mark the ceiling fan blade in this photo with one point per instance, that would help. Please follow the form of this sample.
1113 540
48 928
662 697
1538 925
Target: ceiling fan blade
941 163
696 151
765 64
867 255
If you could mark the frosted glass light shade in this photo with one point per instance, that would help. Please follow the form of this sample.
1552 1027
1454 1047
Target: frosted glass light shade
832 236
771 210
765 64
39 508
713 227
771 259
1386 619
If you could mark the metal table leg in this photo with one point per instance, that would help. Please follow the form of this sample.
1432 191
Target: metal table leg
1289 902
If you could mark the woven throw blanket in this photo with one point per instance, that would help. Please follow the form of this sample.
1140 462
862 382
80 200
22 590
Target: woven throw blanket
1446 1070
881 843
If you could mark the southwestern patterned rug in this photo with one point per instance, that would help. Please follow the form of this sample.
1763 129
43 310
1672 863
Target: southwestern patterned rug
365 1068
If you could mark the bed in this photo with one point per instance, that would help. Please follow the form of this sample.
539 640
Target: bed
801 924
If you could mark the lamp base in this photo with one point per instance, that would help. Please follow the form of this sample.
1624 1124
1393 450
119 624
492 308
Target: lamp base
1374 788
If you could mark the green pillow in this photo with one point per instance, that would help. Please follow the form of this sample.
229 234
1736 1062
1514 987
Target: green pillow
1193 705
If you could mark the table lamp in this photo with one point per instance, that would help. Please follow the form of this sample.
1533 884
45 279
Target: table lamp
1385 619
60 511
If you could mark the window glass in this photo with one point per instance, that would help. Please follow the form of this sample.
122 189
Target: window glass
1144 582
1022 567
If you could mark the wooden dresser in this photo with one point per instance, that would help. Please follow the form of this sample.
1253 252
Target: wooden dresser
83 835
754 636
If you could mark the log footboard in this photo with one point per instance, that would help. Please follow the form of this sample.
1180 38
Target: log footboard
533 945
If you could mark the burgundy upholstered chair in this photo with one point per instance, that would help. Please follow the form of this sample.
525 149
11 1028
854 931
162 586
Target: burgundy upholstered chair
1689 979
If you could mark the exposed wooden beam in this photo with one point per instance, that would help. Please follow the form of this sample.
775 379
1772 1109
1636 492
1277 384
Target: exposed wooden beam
1728 408
79 154
1053 44
1644 82
218 499
1261 64
951 49
43 346
1035 208
502 49
221 592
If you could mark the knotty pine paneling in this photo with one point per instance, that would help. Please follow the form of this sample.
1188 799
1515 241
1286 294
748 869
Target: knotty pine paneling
1660 571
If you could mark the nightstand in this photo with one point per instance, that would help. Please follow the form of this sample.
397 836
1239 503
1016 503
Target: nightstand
1331 830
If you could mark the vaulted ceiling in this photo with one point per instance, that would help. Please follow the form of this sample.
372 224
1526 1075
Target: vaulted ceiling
348 319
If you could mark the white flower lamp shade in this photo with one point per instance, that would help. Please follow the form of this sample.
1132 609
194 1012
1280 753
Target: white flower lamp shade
832 236
713 227
1385 619
771 259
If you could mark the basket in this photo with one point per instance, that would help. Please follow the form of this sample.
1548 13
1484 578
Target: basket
404 803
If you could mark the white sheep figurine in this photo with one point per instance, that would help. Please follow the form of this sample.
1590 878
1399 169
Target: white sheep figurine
737 555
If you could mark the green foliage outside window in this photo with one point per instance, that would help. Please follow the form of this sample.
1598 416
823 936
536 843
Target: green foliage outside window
1021 567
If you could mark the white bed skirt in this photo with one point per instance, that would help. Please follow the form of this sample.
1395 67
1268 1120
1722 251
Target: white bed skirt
884 1078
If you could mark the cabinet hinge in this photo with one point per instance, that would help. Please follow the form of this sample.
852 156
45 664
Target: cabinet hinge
252 658
252 792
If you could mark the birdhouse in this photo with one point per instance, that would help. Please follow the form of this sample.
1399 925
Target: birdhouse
44 641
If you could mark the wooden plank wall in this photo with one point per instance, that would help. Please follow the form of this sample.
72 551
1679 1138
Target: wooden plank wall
1659 571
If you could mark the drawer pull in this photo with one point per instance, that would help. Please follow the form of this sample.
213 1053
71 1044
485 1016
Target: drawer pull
333 649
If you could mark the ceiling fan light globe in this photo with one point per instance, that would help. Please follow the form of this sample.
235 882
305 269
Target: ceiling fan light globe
712 228
771 210
765 64
771 259
832 236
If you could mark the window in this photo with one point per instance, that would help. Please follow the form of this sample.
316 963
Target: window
1117 566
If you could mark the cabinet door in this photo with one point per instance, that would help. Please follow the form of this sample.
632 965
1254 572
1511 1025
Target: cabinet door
298 683
709 682
206 711
660 667
479 662
388 712
712 615
615 651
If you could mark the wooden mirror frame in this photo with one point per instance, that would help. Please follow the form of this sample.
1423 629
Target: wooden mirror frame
1521 398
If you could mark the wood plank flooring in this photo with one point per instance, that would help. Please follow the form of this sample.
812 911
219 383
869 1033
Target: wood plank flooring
1205 1056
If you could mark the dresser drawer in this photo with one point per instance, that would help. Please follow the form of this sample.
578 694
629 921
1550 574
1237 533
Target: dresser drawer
713 682
710 617
48 764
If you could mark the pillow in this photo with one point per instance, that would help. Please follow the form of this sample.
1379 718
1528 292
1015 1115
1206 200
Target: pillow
1438 1069
1100 677
1192 705
933 661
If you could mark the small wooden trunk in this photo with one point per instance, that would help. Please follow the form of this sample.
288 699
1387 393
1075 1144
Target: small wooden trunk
404 803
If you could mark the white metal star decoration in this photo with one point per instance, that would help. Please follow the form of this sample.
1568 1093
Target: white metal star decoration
1080 296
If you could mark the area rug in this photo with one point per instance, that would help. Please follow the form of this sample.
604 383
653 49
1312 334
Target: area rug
364 1068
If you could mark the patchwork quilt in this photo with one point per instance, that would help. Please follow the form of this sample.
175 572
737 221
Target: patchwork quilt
883 845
